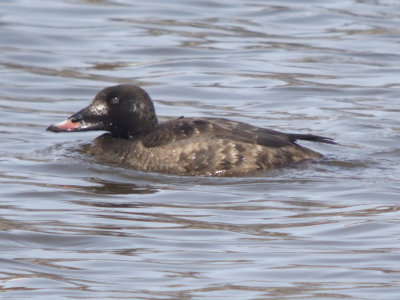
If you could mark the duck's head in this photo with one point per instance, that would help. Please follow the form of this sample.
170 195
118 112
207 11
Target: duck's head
123 110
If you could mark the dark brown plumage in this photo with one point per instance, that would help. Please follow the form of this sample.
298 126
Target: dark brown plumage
184 146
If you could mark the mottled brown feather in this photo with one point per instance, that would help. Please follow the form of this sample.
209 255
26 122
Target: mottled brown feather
207 147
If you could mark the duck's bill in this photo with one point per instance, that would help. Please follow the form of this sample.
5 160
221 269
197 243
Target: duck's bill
71 125
65 126
84 120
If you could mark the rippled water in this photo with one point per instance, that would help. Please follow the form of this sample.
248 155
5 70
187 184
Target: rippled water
74 227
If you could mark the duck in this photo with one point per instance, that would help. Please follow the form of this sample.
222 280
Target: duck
182 146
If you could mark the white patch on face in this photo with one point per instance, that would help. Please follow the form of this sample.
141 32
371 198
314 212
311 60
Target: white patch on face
99 109
133 107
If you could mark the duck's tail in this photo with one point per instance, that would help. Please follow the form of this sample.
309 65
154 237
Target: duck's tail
312 138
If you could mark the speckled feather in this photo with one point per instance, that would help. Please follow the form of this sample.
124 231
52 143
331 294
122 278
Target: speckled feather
204 146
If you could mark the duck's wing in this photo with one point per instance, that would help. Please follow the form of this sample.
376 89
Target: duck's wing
269 137
175 130
187 128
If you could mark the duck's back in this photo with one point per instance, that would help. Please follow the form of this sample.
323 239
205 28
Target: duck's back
205 146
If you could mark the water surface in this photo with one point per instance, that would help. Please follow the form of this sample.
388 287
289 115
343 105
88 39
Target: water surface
73 227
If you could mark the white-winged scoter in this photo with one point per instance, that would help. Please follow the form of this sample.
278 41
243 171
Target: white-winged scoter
183 146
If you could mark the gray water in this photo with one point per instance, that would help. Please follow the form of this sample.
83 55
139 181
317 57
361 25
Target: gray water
73 227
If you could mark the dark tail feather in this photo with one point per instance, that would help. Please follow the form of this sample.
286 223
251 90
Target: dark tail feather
312 138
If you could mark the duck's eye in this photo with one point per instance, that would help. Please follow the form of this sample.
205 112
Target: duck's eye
114 100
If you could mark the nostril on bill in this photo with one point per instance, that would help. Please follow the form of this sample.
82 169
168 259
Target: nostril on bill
76 118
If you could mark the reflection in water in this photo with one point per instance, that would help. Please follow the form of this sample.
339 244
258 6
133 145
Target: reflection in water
108 187
101 187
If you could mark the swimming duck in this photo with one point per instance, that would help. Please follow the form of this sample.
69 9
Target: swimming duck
183 146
